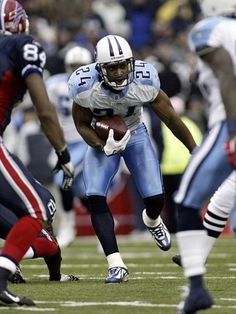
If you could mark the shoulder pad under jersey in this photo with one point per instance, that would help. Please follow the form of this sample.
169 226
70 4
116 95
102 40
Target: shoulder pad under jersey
200 35
83 79
31 54
146 74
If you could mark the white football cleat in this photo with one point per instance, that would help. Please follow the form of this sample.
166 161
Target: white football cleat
117 275
66 278
161 236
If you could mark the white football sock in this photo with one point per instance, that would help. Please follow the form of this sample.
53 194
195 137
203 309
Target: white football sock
192 250
29 254
208 245
150 222
115 260
7 264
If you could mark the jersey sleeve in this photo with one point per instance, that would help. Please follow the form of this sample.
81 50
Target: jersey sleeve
32 57
72 86
81 83
206 36
147 79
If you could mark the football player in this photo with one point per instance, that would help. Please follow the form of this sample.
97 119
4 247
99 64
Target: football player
22 60
218 211
57 89
213 40
116 84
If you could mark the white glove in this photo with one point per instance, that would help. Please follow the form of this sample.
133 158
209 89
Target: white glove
112 146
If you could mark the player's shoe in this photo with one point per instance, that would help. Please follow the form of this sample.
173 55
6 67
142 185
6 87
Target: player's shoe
161 236
8 298
65 278
117 275
17 277
177 260
196 300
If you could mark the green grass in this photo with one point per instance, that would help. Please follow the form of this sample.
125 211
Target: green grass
154 285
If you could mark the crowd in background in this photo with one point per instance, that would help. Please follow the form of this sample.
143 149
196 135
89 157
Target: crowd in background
156 30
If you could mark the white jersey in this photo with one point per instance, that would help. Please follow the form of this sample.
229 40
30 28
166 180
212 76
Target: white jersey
57 89
86 89
207 34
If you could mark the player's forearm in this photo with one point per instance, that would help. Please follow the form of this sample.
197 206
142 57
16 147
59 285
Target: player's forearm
45 111
228 95
221 64
82 119
90 137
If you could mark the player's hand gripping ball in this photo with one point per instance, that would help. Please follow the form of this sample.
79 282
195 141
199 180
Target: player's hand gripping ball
115 122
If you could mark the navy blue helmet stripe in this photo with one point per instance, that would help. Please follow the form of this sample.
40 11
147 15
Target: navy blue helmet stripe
110 48
119 47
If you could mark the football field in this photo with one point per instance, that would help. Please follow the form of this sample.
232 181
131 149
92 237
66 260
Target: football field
154 287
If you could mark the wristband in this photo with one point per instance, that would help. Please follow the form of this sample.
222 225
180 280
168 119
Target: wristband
63 156
231 122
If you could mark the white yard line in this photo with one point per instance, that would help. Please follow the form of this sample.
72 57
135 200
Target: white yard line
92 304
28 309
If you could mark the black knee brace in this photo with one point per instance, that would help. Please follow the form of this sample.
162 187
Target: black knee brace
84 201
97 204
154 205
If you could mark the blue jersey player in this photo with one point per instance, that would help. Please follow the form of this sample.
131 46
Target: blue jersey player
21 66
213 41
57 90
118 84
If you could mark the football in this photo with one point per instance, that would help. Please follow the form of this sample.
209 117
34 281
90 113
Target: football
103 125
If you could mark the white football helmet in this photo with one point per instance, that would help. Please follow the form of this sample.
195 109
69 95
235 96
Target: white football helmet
114 50
218 7
76 57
